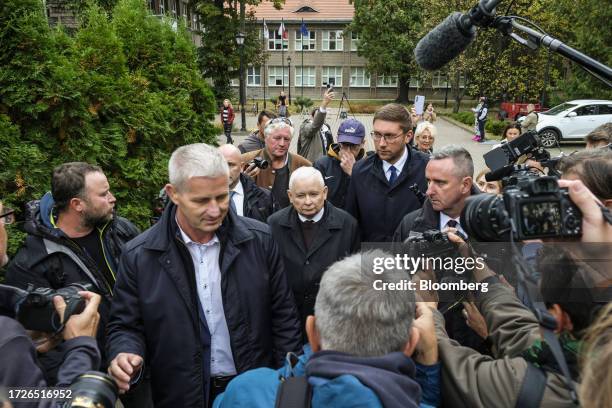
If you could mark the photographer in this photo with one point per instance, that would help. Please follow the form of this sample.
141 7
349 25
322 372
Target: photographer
522 371
19 366
314 137
278 134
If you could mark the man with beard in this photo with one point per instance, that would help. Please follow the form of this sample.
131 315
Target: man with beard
73 237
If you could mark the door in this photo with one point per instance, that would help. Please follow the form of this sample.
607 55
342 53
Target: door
578 126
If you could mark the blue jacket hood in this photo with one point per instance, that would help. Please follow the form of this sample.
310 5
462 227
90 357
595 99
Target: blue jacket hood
391 376
46 208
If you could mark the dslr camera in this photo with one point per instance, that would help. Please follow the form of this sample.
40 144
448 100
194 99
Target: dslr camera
34 308
259 162
531 205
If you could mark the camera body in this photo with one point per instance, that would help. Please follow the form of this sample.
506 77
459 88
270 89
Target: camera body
530 207
260 163
35 309
509 153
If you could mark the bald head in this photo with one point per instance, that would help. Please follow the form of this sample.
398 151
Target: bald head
307 191
234 161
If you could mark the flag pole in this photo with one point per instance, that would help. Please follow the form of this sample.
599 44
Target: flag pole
283 49
301 29
265 74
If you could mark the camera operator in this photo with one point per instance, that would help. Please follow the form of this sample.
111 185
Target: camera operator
522 371
20 366
74 236
278 134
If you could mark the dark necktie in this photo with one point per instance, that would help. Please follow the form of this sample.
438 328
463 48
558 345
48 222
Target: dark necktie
308 232
232 203
452 224
393 176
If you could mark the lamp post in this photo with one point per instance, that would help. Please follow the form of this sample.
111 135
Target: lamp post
240 41
289 69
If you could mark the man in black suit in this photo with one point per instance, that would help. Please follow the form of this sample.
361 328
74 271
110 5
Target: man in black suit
311 234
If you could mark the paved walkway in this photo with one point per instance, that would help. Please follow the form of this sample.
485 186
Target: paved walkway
448 133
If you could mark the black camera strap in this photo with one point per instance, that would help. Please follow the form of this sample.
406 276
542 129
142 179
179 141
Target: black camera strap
547 322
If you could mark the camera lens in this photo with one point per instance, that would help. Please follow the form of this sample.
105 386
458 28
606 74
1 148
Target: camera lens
484 216
92 390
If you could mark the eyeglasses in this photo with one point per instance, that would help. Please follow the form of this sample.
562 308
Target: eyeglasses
389 137
8 214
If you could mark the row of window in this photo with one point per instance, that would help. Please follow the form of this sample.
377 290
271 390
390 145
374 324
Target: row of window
174 8
279 76
331 40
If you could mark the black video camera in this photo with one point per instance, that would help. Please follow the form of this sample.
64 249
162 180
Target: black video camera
34 308
530 207
259 162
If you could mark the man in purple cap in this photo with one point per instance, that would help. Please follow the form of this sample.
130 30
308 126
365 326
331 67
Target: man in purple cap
337 166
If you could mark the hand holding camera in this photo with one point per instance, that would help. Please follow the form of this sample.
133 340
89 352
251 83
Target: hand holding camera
253 167
84 323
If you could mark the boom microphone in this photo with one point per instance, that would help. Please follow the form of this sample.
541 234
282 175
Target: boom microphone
449 38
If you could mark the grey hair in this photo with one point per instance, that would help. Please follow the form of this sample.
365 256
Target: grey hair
271 127
353 317
421 127
195 160
305 172
461 158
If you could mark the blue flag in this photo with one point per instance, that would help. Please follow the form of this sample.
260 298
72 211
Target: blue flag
304 29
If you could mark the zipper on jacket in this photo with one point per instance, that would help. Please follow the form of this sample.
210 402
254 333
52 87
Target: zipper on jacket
101 232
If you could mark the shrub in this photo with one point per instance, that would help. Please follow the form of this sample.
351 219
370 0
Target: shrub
123 93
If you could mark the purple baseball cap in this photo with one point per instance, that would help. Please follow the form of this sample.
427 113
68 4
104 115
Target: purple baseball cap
351 131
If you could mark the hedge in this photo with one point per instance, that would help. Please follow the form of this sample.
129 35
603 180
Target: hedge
122 92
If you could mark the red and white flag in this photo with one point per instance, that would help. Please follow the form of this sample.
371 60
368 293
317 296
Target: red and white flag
283 31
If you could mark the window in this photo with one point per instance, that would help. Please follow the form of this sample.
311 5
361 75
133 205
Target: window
354 41
359 77
162 7
253 76
309 43
332 40
331 75
194 21
587 110
387 81
184 13
275 41
439 81
235 82
276 76
173 8
309 76
415 82
605 109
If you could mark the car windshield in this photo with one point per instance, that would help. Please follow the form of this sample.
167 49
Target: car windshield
559 108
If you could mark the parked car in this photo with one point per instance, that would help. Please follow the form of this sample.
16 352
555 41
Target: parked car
572 120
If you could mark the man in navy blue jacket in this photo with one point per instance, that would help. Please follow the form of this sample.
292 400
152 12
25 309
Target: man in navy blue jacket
378 195
202 295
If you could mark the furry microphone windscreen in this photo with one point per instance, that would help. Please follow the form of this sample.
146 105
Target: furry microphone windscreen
443 43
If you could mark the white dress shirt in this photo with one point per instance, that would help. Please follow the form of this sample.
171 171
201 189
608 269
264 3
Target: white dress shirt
399 165
444 219
208 280
317 217
238 198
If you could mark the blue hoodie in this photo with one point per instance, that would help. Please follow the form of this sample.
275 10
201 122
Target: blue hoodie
340 380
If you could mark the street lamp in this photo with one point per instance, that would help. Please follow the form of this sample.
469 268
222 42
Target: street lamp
289 68
240 41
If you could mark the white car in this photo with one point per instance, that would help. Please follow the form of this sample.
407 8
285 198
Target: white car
572 120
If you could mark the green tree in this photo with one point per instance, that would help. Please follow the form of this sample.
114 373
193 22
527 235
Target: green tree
219 55
123 93
388 32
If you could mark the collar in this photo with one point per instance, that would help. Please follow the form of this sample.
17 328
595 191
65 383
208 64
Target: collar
189 241
399 165
238 188
317 217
